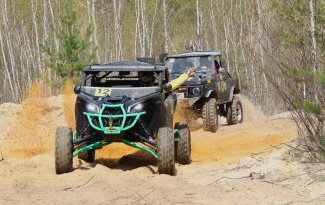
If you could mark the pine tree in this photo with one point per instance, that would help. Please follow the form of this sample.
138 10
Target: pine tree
68 59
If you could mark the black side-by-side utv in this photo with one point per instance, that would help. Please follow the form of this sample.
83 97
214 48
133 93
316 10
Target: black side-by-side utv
118 102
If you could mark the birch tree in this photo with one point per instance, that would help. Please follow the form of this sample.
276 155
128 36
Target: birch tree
165 26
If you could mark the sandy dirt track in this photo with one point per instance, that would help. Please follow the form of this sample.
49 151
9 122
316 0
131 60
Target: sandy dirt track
240 164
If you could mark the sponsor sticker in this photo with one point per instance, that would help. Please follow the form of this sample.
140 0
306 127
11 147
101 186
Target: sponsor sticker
222 84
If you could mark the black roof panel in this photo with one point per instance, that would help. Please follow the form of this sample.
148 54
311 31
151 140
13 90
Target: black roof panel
124 66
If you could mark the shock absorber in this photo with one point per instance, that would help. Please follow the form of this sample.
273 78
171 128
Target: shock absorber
83 130
144 128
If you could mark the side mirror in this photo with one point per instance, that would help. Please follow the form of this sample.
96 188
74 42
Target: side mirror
162 57
77 89
167 87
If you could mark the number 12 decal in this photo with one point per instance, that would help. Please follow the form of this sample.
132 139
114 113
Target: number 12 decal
103 92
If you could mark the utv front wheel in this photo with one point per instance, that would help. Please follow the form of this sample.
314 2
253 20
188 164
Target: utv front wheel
235 112
166 151
183 145
63 150
210 115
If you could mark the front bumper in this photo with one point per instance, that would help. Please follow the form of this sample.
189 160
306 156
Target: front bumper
97 120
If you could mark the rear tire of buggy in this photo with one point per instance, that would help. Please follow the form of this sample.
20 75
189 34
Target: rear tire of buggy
87 156
235 112
210 115
183 147
166 151
63 150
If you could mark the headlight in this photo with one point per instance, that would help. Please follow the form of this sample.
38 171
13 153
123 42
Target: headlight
135 108
92 108
196 91
138 107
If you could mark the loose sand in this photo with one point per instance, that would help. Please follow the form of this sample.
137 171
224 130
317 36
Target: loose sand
239 164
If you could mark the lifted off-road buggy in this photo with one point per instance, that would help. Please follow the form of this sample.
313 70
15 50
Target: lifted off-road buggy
210 91
115 103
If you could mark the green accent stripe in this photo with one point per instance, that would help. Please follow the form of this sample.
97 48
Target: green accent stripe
178 136
92 146
139 147
104 143
74 135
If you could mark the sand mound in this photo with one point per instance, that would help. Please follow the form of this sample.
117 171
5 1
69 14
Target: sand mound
8 110
31 128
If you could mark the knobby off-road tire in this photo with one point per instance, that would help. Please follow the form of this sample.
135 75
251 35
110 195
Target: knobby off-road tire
235 112
63 150
166 151
210 115
87 156
183 147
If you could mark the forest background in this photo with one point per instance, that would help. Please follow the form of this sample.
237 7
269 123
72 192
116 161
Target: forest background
275 47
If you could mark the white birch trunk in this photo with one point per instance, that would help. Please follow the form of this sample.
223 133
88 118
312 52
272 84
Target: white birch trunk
214 26
39 66
118 30
14 71
253 76
260 41
314 49
6 68
226 36
312 30
165 26
144 27
53 21
152 31
95 28
198 27
136 30
246 61
139 25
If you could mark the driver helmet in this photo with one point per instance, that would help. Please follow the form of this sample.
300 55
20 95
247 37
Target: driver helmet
146 78
204 62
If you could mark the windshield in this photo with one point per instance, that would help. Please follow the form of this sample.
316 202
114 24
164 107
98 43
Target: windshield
122 79
181 65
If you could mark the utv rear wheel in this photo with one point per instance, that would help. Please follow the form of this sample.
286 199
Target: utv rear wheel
87 156
183 146
235 112
63 150
210 115
166 151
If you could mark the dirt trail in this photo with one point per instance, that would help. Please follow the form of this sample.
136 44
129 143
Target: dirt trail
237 165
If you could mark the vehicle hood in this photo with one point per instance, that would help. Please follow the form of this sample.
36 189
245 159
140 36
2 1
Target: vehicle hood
118 92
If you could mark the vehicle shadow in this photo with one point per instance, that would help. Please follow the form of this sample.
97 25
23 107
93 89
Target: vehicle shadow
130 162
